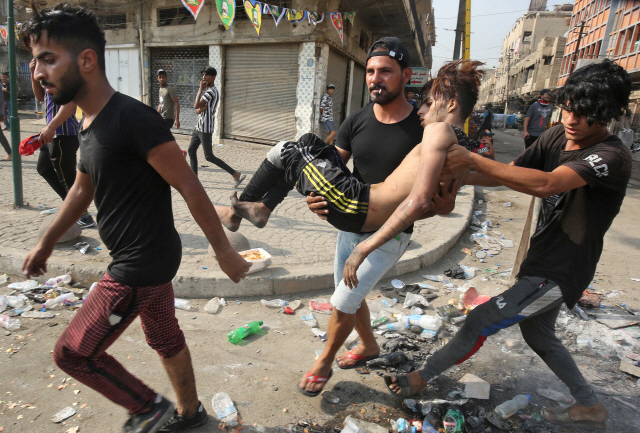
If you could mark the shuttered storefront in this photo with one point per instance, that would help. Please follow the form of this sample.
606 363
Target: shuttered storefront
183 66
358 88
337 75
259 94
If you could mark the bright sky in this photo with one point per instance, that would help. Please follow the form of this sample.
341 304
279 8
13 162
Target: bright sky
491 20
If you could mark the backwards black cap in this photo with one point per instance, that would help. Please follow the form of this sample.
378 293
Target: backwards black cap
397 50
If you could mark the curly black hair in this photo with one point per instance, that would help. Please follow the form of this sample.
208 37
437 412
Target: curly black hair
74 27
600 92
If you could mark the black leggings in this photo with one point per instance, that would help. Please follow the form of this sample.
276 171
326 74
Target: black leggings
268 186
198 138
57 163
534 304
5 143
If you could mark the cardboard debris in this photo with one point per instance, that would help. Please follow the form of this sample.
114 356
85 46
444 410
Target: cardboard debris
475 387
629 368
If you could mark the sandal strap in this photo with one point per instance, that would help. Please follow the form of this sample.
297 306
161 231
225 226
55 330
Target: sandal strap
317 379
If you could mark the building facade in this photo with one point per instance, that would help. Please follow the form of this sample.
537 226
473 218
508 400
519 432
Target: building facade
611 30
270 84
531 58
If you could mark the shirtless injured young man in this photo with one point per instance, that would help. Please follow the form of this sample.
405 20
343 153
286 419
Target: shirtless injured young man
408 194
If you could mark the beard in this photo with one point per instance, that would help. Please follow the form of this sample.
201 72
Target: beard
383 98
70 84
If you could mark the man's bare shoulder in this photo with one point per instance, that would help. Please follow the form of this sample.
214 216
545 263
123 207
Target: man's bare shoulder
439 135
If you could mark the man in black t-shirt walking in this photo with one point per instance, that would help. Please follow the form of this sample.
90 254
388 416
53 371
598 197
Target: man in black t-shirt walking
581 172
129 162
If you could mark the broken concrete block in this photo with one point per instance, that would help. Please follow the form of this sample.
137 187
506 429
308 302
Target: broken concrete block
475 387
512 343
74 232
629 368
237 240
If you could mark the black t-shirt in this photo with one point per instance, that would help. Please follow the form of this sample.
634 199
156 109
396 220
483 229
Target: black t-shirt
378 148
135 218
569 237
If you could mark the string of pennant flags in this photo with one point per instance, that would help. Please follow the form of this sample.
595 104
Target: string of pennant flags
255 10
4 32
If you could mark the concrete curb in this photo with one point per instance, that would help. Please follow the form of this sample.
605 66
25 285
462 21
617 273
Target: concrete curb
273 280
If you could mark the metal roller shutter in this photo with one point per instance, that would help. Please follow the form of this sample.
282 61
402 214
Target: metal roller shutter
183 66
337 75
259 95
358 88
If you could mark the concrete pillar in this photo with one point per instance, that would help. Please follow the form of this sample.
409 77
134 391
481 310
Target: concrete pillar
347 109
216 59
305 90
322 67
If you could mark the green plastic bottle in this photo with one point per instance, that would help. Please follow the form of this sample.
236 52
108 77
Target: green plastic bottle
238 334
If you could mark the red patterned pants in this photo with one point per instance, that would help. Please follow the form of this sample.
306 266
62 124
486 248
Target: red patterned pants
106 313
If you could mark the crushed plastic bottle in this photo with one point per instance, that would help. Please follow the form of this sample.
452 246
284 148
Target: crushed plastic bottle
560 398
389 303
320 305
274 303
413 299
435 278
239 333
224 408
453 421
59 301
182 304
9 323
511 407
397 326
65 279
16 301
308 318
4 302
213 306
399 426
427 427
24 285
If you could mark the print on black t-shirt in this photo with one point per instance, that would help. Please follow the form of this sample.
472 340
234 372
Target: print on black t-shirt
571 226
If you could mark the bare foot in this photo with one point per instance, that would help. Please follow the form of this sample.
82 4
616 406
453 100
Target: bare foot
416 382
317 370
344 361
257 213
596 413
228 218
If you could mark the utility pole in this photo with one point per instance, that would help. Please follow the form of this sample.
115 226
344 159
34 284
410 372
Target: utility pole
506 92
14 122
575 53
459 30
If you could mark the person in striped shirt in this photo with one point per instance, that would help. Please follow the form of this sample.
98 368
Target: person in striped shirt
59 139
206 106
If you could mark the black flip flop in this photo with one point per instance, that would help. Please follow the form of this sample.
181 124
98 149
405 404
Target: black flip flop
563 418
403 382
316 393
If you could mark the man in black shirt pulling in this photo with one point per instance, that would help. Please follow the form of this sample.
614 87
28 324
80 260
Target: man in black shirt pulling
581 172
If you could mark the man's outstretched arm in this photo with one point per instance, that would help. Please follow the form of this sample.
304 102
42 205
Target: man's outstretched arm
168 161
525 180
436 139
